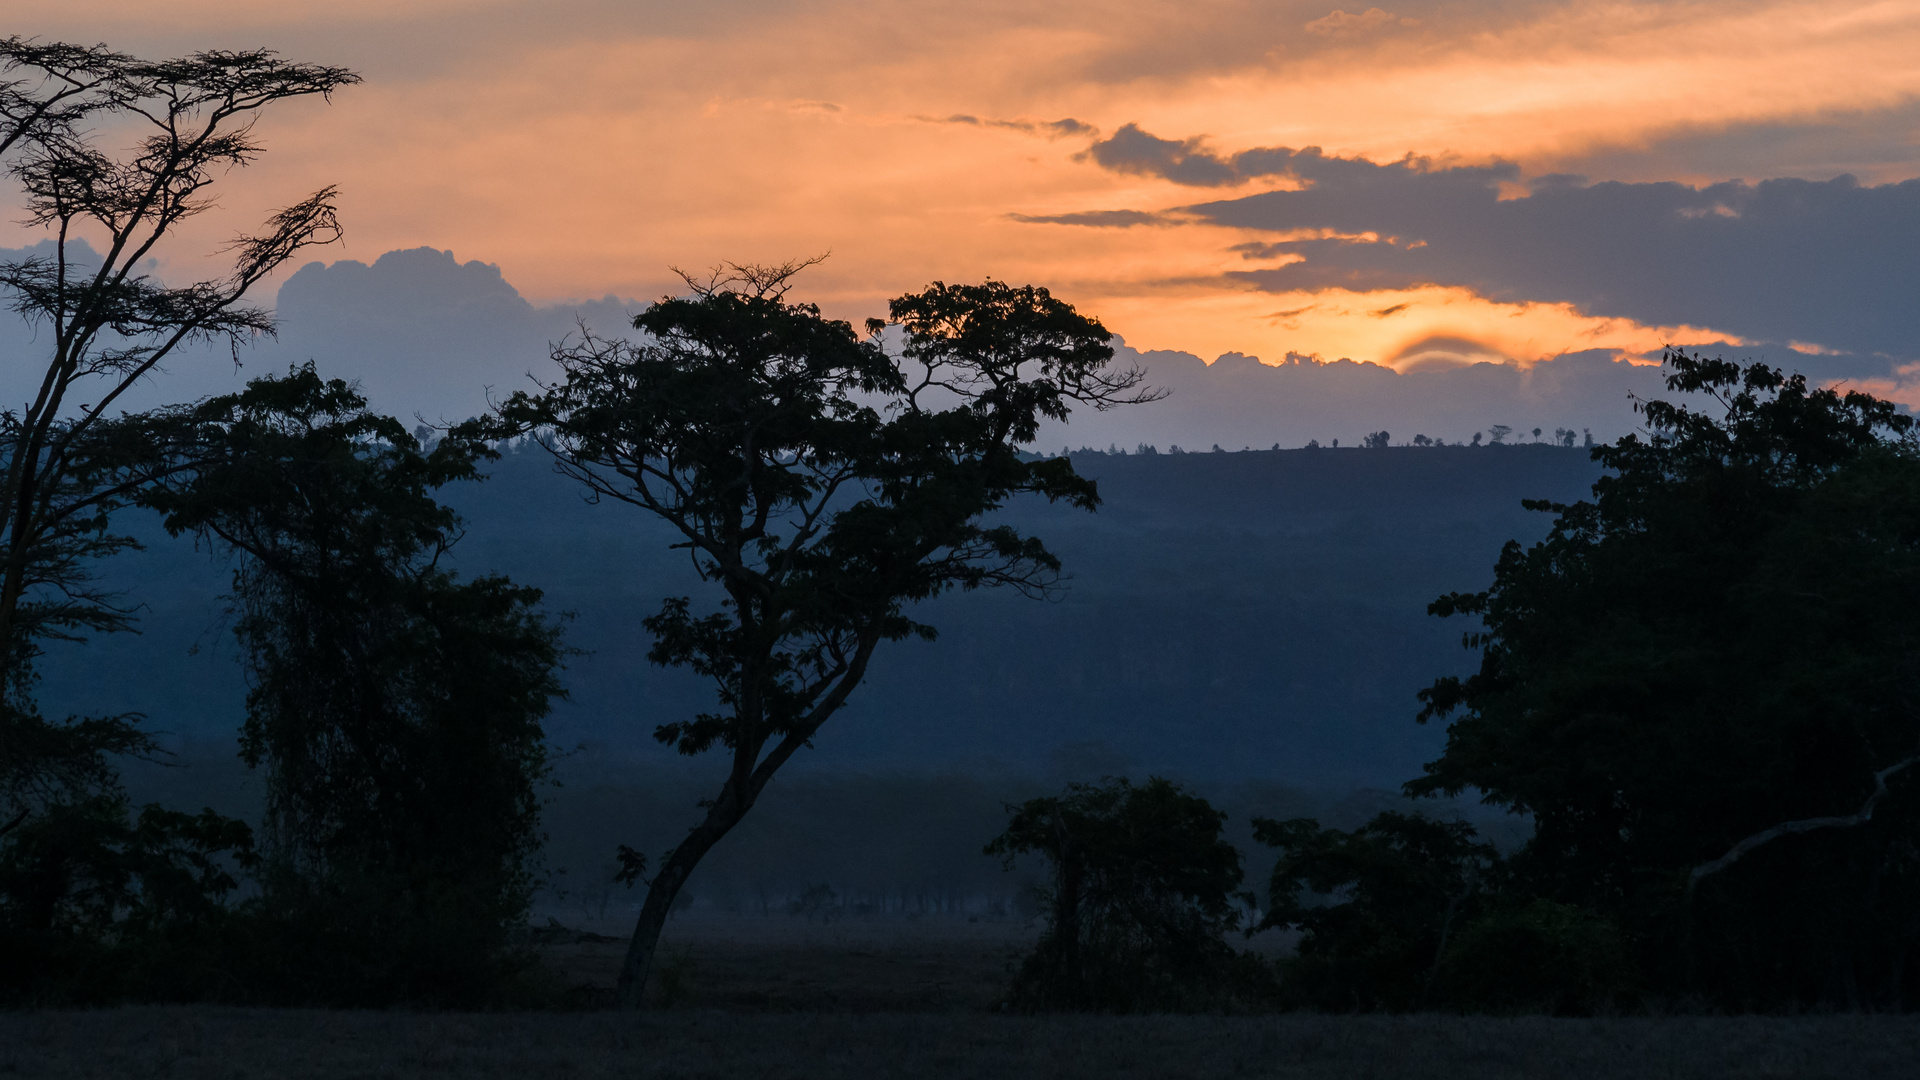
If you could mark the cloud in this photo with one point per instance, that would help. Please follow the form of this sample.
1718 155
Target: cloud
1131 150
419 330
1052 129
1779 260
1448 388
1107 219
1339 24
425 332
1874 144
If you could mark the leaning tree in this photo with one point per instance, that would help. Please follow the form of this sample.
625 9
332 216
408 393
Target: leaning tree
67 458
822 485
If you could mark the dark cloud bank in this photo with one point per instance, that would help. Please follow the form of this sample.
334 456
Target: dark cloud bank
421 331
1829 263
425 333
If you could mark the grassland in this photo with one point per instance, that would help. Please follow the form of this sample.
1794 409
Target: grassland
272 1045
788 998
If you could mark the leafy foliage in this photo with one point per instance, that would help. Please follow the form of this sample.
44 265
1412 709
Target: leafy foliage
395 709
1141 901
107 323
1538 956
1375 906
95 904
1722 641
1406 912
821 485
66 462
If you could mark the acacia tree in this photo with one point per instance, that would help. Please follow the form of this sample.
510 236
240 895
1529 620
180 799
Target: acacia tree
66 461
821 486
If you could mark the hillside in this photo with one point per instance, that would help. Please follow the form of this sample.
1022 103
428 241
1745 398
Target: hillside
1242 615
1251 622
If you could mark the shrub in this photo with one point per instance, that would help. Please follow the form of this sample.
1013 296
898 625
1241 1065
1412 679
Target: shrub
1542 956
1139 906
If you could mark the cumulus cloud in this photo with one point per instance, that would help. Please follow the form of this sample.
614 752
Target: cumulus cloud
419 330
1776 261
1447 388
426 332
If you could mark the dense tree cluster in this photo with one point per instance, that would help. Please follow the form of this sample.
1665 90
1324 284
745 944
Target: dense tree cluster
1699 689
1699 692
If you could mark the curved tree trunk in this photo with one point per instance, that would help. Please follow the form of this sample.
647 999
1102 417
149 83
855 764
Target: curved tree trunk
665 887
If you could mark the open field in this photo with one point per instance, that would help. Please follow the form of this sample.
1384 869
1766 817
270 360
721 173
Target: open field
194 1042
873 999
786 963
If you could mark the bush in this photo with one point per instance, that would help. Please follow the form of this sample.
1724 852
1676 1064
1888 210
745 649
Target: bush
1139 906
97 905
1540 957
1375 906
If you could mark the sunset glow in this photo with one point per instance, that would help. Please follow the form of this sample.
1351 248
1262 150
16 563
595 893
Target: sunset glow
586 148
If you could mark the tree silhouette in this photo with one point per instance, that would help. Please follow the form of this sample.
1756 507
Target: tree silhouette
65 460
1404 884
1142 896
394 709
1700 686
821 486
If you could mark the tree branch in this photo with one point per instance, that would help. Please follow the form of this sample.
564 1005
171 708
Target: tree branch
1792 828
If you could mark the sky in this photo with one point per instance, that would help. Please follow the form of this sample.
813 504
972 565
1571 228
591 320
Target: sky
1422 187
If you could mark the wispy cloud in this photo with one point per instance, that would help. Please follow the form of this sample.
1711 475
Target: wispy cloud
1052 129
1338 23
1101 219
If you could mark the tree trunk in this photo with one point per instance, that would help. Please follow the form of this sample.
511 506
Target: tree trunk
1066 911
722 816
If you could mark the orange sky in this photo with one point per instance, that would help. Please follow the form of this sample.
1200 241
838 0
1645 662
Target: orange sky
586 147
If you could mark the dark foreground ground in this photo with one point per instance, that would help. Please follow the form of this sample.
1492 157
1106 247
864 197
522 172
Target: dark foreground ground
788 963
791 998
260 1044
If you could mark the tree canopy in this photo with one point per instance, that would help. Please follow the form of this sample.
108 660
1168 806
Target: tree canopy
394 709
67 458
821 484
1719 645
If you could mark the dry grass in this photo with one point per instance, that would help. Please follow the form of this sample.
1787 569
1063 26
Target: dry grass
260 1044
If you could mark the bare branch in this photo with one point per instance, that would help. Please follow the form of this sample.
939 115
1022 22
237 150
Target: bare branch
1793 828
768 281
